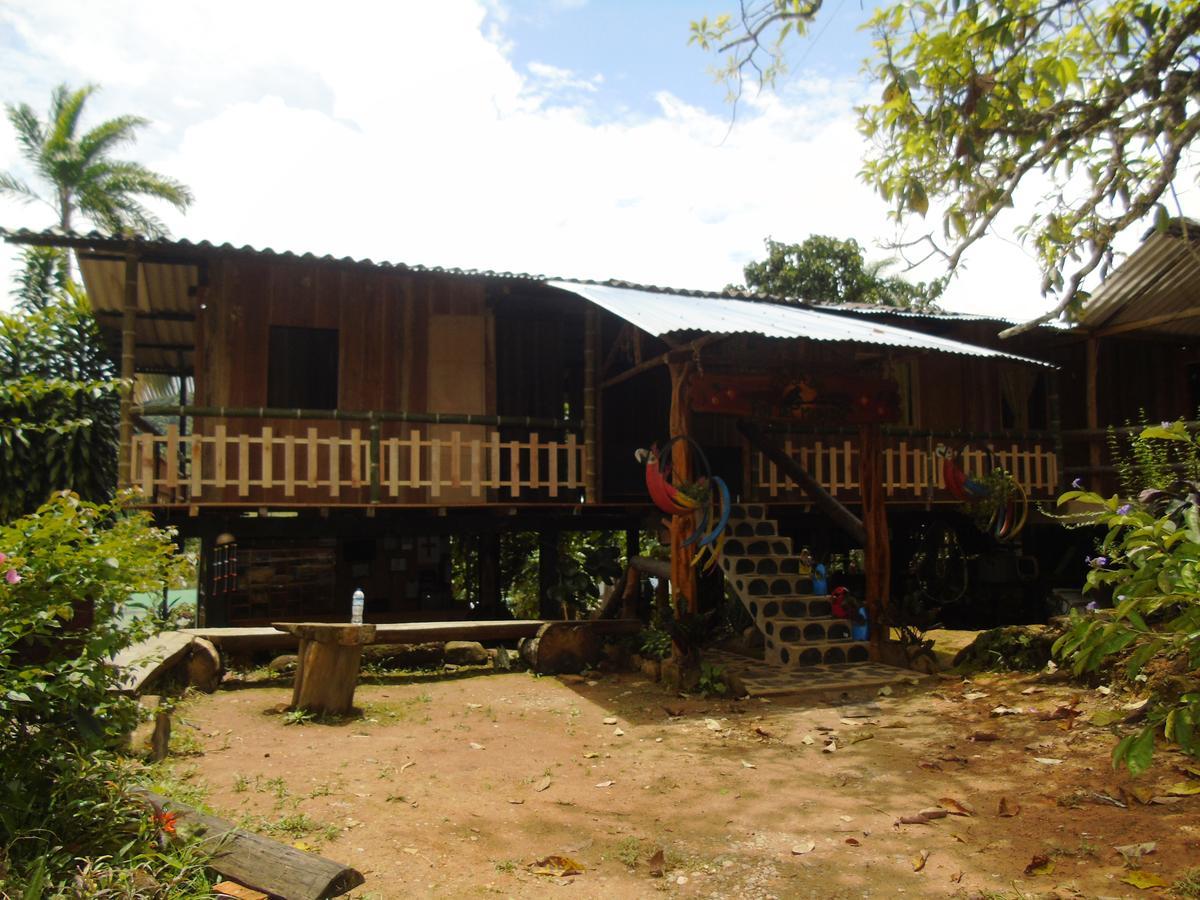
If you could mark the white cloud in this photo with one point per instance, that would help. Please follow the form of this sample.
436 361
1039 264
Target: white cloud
406 132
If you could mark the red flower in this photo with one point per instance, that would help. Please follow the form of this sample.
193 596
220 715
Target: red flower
165 821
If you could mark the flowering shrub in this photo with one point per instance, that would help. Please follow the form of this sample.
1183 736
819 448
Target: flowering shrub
65 806
1150 561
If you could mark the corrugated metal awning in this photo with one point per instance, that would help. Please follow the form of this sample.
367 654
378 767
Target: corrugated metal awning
1155 290
661 312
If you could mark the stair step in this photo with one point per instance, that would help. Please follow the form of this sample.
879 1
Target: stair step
807 607
774 546
761 565
827 653
808 632
750 528
747 511
755 587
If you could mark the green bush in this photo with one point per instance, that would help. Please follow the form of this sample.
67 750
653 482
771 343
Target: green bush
1150 561
69 825
58 406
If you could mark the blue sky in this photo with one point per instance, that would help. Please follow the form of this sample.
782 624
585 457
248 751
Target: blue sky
642 47
560 137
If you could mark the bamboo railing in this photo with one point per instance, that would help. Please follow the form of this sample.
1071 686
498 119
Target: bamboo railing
219 465
911 468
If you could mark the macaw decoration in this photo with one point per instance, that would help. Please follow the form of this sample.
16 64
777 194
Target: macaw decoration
706 500
1001 503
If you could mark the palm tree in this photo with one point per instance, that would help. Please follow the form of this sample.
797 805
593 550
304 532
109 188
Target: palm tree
78 172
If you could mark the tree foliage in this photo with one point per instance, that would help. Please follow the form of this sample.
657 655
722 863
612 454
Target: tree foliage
69 825
1080 112
830 270
77 171
1149 560
58 406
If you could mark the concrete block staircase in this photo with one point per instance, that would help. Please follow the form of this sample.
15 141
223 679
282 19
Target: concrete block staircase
762 568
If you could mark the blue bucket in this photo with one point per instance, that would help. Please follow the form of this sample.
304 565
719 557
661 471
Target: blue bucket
859 632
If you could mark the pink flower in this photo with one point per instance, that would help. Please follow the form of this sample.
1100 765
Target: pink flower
3 557
12 576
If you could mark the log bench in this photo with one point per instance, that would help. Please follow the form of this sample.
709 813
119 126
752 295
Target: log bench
256 861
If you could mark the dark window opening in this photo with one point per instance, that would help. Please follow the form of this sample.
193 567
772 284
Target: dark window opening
303 368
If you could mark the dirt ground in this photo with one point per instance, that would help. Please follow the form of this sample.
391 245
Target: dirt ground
453 787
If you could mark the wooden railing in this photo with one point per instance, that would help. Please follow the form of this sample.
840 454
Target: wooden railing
912 469
258 465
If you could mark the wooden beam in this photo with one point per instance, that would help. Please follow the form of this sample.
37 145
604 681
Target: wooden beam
683 573
662 359
591 402
152 316
840 515
877 550
259 862
1165 318
1092 401
128 348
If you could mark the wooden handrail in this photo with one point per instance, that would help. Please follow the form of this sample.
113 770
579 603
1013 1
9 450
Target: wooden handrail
344 415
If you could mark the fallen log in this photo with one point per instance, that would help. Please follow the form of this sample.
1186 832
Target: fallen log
259 862
561 648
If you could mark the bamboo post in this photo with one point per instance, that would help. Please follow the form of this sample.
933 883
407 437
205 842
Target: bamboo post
1054 412
878 551
683 574
591 396
373 433
1092 400
128 351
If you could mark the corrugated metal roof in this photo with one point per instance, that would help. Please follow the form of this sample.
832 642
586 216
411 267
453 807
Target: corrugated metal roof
1155 290
662 312
169 286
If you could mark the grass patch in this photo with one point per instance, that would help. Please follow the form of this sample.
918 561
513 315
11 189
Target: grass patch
1188 885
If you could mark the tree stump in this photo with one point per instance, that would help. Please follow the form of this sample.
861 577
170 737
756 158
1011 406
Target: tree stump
327 664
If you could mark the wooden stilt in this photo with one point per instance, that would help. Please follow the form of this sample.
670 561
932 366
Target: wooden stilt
878 550
128 348
1092 400
683 573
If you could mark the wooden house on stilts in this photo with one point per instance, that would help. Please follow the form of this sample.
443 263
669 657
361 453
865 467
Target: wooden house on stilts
342 421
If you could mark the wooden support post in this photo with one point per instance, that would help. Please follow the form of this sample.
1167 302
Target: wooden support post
878 549
683 573
1093 401
591 397
1054 414
373 432
489 575
548 608
128 348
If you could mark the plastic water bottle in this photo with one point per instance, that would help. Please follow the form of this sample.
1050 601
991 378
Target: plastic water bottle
356 607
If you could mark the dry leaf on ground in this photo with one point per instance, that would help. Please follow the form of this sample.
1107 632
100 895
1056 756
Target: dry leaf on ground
1142 880
1134 852
1040 865
804 847
543 784
1184 789
956 807
1007 811
557 866
918 861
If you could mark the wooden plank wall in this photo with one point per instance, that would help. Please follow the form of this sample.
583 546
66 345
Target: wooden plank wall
383 320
